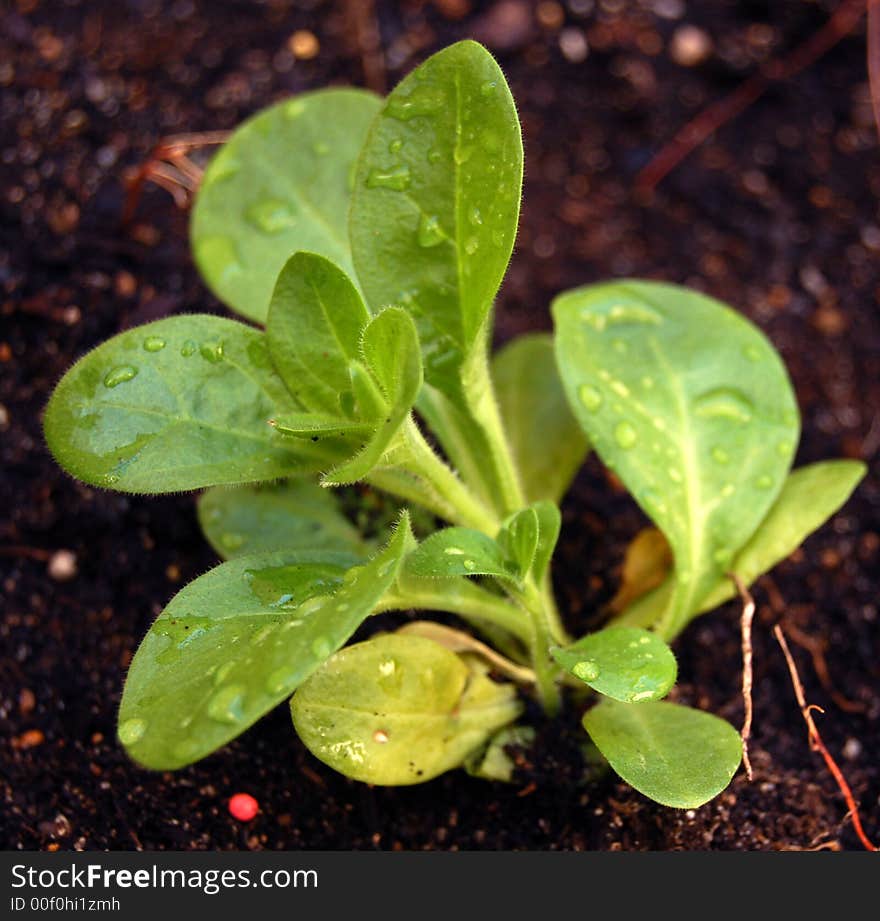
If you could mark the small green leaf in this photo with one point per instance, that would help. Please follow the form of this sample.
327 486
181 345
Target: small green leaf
280 184
518 540
436 201
293 515
316 318
494 762
459 552
390 348
626 663
399 710
676 756
692 408
177 404
811 495
549 524
547 442
238 640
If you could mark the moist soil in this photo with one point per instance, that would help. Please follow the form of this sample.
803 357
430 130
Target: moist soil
777 215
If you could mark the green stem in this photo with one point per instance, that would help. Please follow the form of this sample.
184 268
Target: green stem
423 460
486 609
540 641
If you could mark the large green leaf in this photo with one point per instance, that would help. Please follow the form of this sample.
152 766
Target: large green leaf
547 442
316 319
238 640
675 755
436 201
280 184
181 403
399 709
810 496
292 515
691 407
626 663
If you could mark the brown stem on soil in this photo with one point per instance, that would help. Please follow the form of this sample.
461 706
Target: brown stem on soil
841 22
816 742
874 58
745 624
816 648
169 167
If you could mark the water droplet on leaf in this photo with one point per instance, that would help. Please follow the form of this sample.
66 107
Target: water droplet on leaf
397 178
586 670
119 375
227 705
212 351
724 403
270 216
430 233
154 344
625 435
131 731
590 397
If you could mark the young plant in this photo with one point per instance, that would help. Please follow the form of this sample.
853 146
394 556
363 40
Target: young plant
370 237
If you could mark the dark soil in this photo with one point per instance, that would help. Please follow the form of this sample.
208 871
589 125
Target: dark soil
777 215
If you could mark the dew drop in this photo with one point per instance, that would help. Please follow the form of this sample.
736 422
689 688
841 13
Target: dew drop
719 455
724 403
586 670
380 736
397 178
430 232
154 344
279 680
321 647
132 731
212 351
188 348
270 216
454 551
294 108
434 156
227 705
223 672
472 245
753 353
764 482
218 258
620 388
625 435
783 449
488 88
601 315
470 565
231 541
395 145
422 101
639 696
475 216
590 397
119 375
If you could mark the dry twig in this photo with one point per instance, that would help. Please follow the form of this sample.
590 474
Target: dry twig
841 22
816 742
748 615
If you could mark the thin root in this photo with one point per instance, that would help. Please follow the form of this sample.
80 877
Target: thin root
745 622
818 745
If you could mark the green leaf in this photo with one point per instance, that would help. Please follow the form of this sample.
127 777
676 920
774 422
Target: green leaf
399 709
459 552
494 762
293 515
692 408
549 524
546 439
676 756
177 404
316 318
390 347
436 201
518 540
811 495
238 640
280 184
626 663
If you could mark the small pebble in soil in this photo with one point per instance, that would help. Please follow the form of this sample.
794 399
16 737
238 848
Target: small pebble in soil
690 46
62 565
852 749
243 807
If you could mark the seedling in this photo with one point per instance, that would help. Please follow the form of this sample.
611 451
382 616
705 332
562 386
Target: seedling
370 237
